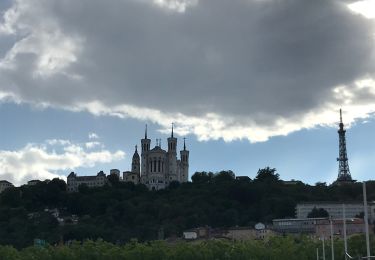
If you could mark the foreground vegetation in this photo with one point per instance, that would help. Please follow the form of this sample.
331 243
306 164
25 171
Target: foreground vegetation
288 248
123 211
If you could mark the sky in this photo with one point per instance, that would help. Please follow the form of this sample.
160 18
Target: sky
249 83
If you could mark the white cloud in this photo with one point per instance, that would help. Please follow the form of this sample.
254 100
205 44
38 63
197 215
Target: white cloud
93 136
272 68
43 38
176 5
90 145
43 161
365 8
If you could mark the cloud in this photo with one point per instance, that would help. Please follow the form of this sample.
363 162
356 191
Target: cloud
49 159
93 136
366 8
269 68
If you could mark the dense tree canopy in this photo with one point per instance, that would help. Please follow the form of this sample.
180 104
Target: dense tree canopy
120 212
277 248
318 213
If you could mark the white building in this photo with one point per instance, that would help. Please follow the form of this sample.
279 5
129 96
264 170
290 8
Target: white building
190 234
334 209
296 225
157 168
73 181
5 185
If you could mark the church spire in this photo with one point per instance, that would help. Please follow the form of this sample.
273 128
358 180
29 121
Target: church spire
184 144
146 132
172 130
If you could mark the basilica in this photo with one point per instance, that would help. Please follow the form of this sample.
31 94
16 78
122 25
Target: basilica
156 167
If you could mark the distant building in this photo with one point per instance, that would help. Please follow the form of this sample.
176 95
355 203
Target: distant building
233 233
157 168
33 182
262 232
239 233
353 226
319 227
296 225
131 177
197 233
5 185
190 234
334 209
73 181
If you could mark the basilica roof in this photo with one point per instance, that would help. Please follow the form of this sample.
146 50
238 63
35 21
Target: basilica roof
157 149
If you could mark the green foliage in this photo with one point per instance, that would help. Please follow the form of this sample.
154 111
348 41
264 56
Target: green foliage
277 248
318 213
267 175
124 211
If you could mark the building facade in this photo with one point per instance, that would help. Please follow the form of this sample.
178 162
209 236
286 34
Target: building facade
296 225
156 167
353 226
73 181
334 209
5 185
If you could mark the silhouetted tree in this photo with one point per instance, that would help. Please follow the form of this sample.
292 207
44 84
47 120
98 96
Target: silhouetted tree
267 174
318 213
113 179
224 176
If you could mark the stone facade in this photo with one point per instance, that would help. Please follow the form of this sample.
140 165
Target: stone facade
73 181
157 168
5 185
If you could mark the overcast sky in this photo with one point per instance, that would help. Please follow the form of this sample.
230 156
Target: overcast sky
250 83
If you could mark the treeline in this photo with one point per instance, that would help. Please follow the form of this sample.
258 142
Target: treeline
122 211
277 248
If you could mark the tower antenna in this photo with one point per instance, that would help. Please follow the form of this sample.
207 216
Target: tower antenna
340 116
344 172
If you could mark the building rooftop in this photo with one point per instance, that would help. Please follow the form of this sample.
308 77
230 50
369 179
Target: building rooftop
5 182
332 202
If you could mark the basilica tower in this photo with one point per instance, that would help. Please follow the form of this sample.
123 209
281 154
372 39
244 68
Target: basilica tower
136 164
172 158
145 143
184 164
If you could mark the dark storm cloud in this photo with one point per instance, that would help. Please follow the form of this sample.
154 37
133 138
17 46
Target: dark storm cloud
247 61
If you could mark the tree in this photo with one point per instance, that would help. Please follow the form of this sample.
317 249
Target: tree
113 179
267 175
224 176
318 213
202 177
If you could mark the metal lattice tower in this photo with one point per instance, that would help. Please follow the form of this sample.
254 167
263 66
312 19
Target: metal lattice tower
344 172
